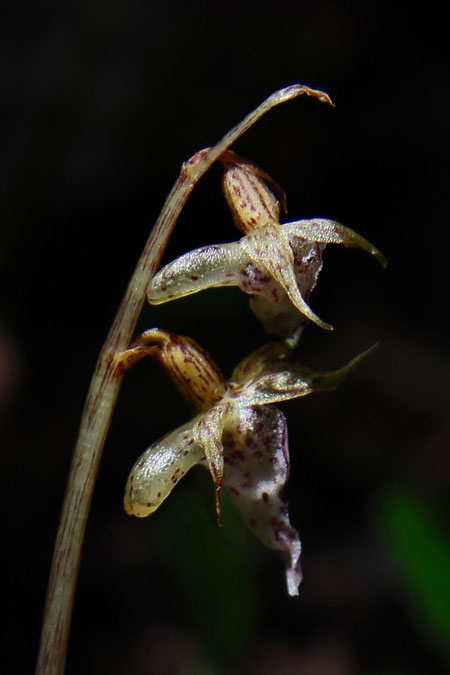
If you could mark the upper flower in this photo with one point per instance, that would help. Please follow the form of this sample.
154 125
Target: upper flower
236 433
277 264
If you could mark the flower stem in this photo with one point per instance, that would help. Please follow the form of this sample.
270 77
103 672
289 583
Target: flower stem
103 392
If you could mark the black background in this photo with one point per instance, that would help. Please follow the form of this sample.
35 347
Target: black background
101 102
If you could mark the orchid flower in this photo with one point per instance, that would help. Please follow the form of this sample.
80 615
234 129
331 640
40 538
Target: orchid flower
236 433
277 264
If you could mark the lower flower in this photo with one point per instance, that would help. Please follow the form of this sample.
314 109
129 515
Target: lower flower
240 436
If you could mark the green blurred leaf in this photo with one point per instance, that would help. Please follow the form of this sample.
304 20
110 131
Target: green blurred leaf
419 545
217 569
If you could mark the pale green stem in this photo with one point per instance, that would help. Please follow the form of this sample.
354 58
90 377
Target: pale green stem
103 393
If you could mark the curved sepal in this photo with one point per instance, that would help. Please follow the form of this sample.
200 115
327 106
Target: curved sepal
197 270
329 232
283 379
269 246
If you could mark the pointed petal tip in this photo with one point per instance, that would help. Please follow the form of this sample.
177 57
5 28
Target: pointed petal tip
322 324
363 355
298 302
379 257
342 373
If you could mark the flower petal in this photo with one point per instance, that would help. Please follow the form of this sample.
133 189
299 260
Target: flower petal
277 315
159 469
282 379
256 469
275 309
262 361
194 271
269 246
328 232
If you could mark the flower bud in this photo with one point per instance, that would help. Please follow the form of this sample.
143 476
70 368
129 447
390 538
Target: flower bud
253 197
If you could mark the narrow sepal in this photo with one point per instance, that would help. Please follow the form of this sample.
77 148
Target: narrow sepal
282 379
269 246
330 232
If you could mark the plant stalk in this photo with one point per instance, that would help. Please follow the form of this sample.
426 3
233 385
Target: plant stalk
103 392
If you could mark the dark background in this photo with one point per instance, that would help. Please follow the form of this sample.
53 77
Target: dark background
101 102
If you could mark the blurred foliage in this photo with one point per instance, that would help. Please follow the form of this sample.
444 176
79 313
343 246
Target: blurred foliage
420 550
218 571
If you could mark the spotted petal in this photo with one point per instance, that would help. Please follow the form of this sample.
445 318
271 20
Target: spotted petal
159 469
194 271
256 470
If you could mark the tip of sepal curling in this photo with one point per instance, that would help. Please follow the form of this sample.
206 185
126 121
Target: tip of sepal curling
321 323
297 89
379 257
